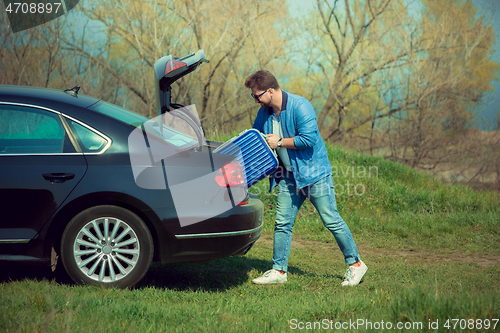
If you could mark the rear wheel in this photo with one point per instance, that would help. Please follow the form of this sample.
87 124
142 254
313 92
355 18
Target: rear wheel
106 245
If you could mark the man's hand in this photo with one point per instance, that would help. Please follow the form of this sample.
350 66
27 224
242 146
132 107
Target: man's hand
272 140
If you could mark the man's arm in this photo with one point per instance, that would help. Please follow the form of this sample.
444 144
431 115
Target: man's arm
272 141
306 125
258 123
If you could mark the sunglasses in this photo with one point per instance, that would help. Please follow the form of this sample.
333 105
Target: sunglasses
259 95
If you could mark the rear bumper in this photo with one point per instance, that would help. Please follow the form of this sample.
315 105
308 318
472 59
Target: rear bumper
232 233
220 234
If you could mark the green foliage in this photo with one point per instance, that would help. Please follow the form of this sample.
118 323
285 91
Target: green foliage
383 198
218 296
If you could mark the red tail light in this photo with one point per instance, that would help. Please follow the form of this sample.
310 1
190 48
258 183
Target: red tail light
172 65
230 175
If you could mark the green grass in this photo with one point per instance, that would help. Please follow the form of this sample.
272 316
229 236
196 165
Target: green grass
432 249
397 204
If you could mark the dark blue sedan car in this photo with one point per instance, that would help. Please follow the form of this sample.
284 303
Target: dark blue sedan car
105 191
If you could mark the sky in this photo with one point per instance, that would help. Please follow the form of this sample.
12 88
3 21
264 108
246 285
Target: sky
491 106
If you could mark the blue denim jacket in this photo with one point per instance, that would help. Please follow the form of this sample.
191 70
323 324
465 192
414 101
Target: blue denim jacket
309 161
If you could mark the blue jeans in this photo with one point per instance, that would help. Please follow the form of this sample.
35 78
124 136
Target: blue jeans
322 196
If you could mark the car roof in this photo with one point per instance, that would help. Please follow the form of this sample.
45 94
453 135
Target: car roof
47 97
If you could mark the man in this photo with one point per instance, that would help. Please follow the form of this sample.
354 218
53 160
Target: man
289 121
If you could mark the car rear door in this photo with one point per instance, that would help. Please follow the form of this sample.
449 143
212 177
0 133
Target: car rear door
39 167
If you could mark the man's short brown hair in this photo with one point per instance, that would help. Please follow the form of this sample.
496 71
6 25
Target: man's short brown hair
262 80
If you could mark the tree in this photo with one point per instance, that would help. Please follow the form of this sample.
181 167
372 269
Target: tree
40 57
361 49
448 81
109 48
413 83
235 35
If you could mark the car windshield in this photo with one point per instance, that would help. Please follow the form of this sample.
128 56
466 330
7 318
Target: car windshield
180 137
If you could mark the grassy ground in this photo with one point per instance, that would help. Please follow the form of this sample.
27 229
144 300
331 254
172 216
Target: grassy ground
432 250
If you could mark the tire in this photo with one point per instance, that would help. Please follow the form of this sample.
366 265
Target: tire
108 246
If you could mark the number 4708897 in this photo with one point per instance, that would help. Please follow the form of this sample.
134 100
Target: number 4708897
471 323
32 8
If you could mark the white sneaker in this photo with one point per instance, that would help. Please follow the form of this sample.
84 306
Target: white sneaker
354 274
271 276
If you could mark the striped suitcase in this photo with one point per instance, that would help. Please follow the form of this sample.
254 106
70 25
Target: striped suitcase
257 159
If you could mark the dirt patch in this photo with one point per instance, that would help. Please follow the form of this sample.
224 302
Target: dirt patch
437 257
412 256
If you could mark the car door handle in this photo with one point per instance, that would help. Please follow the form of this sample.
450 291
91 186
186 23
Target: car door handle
58 177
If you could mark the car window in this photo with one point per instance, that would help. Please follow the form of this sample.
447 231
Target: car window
178 133
119 113
90 142
27 130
